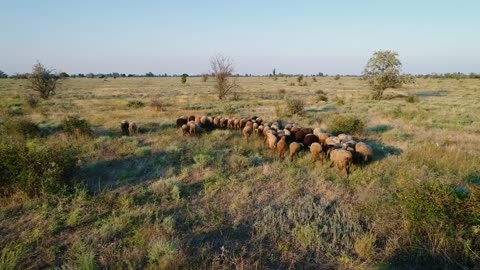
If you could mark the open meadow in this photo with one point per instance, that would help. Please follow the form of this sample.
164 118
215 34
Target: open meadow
161 200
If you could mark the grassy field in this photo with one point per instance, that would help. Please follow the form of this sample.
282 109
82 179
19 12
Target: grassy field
162 200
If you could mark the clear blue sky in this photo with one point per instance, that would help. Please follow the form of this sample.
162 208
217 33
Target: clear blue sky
292 36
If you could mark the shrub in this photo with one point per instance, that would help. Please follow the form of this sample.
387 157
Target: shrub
135 104
75 125
442 220
340 101
22 127
294 106
156 104
167 189
282 91
337 77
382 72
163 254
314 79
204 77
184 78
346 124
300 79
31 99
308 227
35 169
10 257
43 81
412 99
292 84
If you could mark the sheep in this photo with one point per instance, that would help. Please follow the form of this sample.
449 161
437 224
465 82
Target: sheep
224 123
230 123
182 120
317 152
259 121
364 152
206 122
191 118
331 141
344 137
295 149
185 129
124 127
236 123
132 128
341 159
282 147
216 121
271 141
299 135
247 132
309 139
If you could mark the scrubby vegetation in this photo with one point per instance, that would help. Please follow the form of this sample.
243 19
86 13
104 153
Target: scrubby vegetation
75 194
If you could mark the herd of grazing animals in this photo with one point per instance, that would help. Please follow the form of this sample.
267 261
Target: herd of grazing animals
342 150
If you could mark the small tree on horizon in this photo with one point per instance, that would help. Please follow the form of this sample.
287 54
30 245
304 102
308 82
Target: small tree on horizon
43 81
184 78
222 68
3 75
382 72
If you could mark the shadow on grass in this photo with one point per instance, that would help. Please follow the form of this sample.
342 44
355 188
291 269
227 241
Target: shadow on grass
381 151
431 93
473 177
379 129
416 259
110 174
327 108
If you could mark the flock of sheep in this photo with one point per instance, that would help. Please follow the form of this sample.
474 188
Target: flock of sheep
341 150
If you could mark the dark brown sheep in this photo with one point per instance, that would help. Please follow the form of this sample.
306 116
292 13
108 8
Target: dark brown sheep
309 139
124 127
191 118
182 120
132 128
299 136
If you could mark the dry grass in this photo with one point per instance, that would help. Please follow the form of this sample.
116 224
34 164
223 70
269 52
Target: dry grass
208 200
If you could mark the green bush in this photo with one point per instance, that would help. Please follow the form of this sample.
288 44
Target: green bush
77 126
21 127
35 169
346 124
135 104
294 106
442 221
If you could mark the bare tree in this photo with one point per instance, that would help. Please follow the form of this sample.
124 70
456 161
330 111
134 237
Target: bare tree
222 68
43 81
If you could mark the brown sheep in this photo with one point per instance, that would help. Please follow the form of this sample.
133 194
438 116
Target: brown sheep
216 122
247 132
317 152
271 141
282 147
236 123
230 123
132 128
259 121
185 129
295 149
364 152
124 127
224 123
191 118
341 159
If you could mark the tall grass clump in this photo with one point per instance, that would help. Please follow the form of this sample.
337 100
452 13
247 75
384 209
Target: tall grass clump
308 229
10 257
294 106
346 124
77 126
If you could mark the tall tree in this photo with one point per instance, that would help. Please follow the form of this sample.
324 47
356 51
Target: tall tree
382 72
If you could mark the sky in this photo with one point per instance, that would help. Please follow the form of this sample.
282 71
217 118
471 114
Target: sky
333 37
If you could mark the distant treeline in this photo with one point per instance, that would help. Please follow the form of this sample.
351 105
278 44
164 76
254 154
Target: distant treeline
455 75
